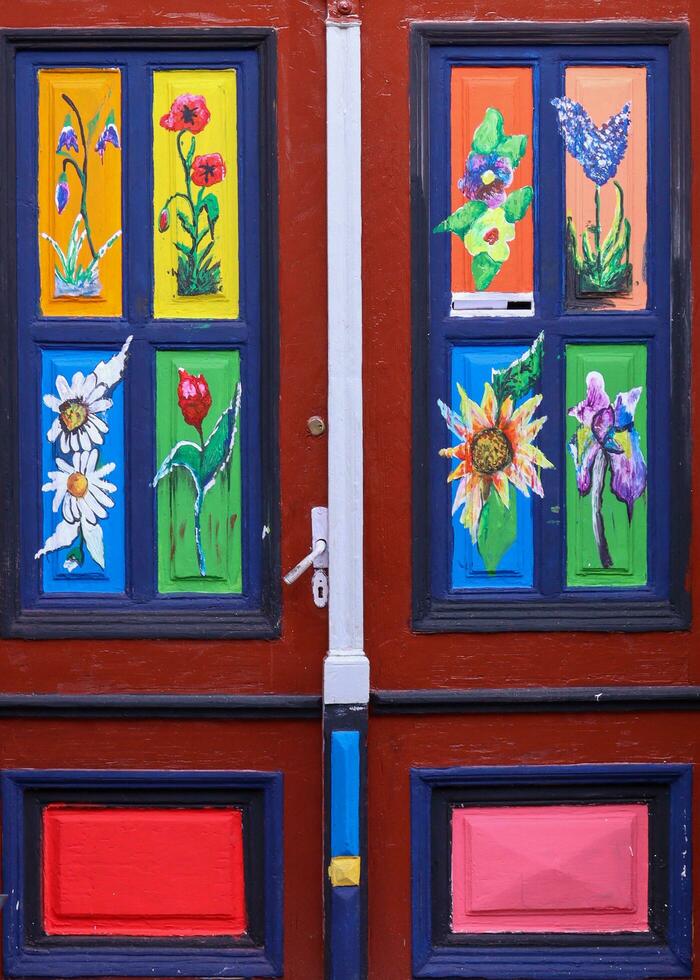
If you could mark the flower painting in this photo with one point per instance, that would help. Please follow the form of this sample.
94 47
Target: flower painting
196 207
198 401
486 222
195 194
87 144
495 453
81 457
598 258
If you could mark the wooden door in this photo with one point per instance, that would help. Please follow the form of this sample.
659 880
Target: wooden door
528 625
161 714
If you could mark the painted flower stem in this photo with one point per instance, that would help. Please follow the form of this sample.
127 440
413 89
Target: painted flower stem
596 235
198 509
600 468
82 173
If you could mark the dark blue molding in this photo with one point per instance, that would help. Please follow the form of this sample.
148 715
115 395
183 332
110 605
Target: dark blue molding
664 604
495 957
150 957
140 611
161 706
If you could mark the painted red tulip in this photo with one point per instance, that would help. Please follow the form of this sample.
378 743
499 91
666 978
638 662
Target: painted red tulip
163 220
188 112
194 398
208 169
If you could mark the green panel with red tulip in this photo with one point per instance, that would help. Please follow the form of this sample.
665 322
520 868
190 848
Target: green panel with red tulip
606 479
198 479
486 223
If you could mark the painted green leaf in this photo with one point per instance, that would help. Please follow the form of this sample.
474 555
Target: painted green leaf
484 269
92 126
219 445
520 377
517 203
498 529
211 206
489 134
186 223
186 455
513 147
461 220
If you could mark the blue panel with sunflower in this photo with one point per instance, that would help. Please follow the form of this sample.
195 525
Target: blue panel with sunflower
493 425
82 458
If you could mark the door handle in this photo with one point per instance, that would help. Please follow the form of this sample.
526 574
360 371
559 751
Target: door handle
318 549
317 557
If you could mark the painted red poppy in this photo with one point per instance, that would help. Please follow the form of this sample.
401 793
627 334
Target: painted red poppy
208 169
188 112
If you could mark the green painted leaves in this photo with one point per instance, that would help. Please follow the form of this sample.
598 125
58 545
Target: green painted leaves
601 267
498 530
486 223
520 377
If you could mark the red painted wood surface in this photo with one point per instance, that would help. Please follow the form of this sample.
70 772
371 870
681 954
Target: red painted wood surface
398 743
126 871
292 747
550 868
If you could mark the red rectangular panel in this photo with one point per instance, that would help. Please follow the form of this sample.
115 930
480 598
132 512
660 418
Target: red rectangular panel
128 871
550 869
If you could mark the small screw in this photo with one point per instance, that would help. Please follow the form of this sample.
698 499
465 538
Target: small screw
316 425
344 7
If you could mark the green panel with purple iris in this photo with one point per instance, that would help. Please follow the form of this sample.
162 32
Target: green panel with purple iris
198 480
606 475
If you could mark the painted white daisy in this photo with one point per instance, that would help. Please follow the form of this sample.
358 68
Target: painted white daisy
83 496
79 424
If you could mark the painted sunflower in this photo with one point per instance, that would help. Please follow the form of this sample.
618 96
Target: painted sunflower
495 449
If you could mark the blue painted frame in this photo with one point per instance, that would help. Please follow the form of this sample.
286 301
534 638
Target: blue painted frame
138 609
154 958
439 604
548 962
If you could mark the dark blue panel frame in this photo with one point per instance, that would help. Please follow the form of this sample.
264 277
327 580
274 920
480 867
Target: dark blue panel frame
663 326
141 611
555 957
69 957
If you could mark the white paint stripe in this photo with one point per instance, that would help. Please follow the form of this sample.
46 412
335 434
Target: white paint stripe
346 672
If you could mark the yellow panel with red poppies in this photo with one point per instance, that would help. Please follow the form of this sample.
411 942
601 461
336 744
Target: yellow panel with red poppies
79 192
195 195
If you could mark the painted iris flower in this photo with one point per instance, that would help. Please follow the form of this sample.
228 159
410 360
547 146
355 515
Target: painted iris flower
495 450
599 149
82 495
62 195
109 134
490 234
67 138
607 440
188 112
486 177
80 404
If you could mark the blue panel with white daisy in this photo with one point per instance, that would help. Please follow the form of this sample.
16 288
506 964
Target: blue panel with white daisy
81 543
472 369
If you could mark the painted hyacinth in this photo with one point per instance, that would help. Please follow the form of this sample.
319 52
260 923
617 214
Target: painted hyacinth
197 273
73 276
486 222
495 451
602 266
606 440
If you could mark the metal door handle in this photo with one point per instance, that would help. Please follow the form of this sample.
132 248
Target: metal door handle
318 549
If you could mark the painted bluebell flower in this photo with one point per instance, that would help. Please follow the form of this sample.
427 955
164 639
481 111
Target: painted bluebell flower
62 193
67 138
599 149
109 134
486 177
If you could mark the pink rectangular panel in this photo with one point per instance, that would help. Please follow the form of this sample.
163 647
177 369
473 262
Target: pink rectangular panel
550 868
128 871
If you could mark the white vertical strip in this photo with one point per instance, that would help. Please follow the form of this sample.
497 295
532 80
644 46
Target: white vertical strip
346 669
